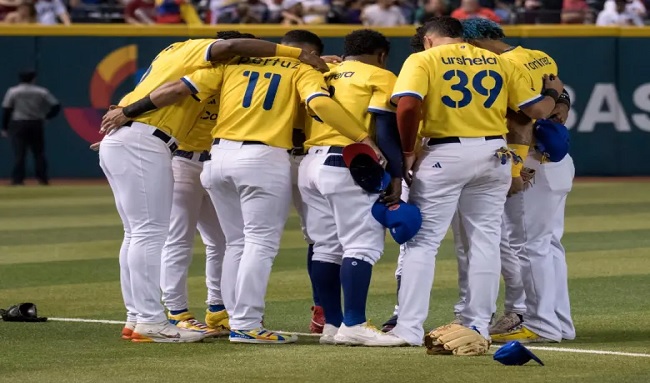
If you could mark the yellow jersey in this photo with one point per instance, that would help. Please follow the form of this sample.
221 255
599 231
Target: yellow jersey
199 138
466 90
361 89
261 97
171 64
537 63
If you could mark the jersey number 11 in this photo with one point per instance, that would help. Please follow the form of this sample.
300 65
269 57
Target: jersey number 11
271 91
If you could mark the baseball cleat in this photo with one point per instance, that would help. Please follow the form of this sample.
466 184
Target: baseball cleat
164 332
261 336
521 334
187 321
507 322
329 331
389 324
127 331
218 322
317 320
366 334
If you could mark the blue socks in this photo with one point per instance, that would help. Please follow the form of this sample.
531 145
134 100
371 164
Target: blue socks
176 312
326 281
314 293
355 279
215 308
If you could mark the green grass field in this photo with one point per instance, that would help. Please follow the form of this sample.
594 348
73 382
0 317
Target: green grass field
58 249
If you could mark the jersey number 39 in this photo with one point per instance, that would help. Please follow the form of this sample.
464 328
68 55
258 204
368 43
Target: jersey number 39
477 84
271 91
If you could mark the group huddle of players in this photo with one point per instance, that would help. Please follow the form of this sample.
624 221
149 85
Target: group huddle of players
221 135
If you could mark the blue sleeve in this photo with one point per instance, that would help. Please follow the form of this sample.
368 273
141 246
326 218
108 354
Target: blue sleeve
389 142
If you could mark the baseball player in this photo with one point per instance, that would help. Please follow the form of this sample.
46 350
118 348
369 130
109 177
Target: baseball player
192 210
137 161
249 176
533 220
465 92
348 241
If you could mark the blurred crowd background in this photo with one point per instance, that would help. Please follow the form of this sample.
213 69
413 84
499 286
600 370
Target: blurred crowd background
372 13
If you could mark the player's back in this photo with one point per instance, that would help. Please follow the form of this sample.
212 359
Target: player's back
468 90
361 89
260 99
537 63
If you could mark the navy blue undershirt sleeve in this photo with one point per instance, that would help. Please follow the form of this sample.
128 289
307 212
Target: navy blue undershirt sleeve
389 142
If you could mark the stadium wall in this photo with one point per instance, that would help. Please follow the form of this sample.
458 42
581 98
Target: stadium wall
90 67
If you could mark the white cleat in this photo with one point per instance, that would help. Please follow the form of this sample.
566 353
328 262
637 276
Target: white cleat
164 332
329 332
366 334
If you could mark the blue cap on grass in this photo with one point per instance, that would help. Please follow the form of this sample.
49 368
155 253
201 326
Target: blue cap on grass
552 140
515 354
402 220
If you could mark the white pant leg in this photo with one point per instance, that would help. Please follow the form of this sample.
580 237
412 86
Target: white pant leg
480 210
140 167
541 204
177 252
402 248
435 191
226 202
215 249
319 217
512 223
125 275
296 197
460 247
261 175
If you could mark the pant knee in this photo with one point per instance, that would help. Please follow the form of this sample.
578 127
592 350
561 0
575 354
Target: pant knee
370 256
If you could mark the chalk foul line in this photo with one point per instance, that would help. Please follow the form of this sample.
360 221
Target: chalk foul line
536 348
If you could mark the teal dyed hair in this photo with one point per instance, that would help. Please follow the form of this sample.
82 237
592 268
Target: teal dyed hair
477 28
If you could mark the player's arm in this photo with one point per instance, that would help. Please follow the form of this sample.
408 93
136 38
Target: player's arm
221 50
525 98
563 105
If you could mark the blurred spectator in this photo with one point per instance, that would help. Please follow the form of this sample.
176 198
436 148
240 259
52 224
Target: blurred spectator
315 11
637 7
258 10
140 12
175 12
618 15
382 14
542 12
575 12
25 13
48 12
471 8
219 7
431 8
242 14
293 12
275 11
8 6
345 12
504 10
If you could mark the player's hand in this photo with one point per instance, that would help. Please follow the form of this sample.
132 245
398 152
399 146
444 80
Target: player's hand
95 147
113 120
4 133
409 161
368 141
394 193
553 82
332 59
313 60
560 113
517 186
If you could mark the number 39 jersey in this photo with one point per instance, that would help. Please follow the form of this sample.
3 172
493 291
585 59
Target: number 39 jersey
465 90
260 97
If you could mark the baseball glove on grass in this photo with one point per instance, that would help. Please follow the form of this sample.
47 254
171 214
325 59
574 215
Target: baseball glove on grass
457 340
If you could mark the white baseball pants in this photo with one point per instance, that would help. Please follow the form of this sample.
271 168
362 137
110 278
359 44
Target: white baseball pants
338 212
138 167
250 187
466 176
296 198
191 207
542 258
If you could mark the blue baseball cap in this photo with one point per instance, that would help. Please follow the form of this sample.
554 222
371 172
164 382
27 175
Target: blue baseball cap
515 354
552 139
403 220
366 168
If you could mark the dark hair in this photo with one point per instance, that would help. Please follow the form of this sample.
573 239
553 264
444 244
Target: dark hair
229 35
444 26
301 36
417 41
477 29
365 42
27 76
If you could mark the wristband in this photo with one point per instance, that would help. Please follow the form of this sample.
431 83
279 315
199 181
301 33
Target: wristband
564 99
552 93
408 154
521 151
286 51
139 107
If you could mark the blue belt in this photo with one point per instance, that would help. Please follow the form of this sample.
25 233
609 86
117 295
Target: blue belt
205 155
336 161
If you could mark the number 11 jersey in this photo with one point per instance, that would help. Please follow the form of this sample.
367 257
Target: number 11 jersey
260 97
465 90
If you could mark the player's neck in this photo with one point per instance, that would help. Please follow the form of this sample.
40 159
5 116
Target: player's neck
437 41
366 59
497 46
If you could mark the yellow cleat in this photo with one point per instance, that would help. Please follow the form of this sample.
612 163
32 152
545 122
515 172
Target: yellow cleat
217 322
187 321
521 334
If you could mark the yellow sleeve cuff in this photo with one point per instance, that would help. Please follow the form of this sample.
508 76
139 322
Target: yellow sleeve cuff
286 51
521 151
